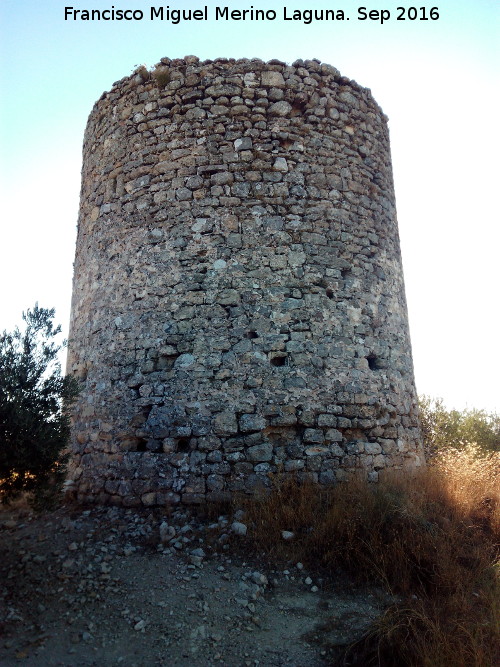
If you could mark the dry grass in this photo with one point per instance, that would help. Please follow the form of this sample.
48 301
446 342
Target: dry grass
432 538
143 72
471 485
162 76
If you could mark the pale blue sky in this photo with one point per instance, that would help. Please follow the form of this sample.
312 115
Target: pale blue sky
438 81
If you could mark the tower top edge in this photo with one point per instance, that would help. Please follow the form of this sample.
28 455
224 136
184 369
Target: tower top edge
190 64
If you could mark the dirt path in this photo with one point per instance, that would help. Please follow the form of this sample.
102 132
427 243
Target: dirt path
109 587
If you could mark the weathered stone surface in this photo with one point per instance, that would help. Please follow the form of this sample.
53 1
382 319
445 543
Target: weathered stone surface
280 164
280 108
314 435
239 528
238 301
262 452
243 144
272 79
252 423
225 423
332 434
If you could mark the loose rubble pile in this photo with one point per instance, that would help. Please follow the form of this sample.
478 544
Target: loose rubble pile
113 587
238 301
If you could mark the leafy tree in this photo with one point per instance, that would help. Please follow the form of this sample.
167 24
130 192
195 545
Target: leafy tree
34 403
453 428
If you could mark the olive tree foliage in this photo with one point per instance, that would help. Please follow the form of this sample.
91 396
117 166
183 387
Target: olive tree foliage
443 428
34 403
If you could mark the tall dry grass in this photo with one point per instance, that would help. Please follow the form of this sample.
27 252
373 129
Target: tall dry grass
432 539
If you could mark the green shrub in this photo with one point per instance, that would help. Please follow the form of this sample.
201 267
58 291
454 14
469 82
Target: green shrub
34 402
443 428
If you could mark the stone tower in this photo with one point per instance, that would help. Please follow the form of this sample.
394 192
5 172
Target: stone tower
238 298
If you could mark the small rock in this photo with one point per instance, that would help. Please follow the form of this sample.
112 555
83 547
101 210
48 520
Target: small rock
287 534
195 561
259 579
308 581
140 625
198 552
299 566
239 528
167 532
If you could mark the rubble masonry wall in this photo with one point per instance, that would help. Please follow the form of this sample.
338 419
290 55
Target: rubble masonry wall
238 300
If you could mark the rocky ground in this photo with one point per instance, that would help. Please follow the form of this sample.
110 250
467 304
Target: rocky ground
109 586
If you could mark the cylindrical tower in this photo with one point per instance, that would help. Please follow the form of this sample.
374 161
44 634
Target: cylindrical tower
238 299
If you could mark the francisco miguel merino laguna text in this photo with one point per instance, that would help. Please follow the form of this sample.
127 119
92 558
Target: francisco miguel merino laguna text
307 16
220 14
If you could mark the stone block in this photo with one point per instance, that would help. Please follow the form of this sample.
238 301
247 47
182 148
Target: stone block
332 435
317 451
251 422
294 464
314 435
225 423
372 448
272 79
148 499
243 144
280 108
263 452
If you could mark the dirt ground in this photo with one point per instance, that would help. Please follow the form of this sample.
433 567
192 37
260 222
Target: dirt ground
116 587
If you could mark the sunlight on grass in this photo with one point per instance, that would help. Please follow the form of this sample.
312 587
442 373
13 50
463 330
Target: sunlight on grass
432 539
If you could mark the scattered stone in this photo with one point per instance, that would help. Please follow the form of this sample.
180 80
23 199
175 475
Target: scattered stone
259 578
287 535
167 532
239 528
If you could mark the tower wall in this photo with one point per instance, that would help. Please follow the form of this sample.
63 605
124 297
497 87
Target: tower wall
238 299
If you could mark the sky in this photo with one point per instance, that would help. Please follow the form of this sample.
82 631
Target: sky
438 80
